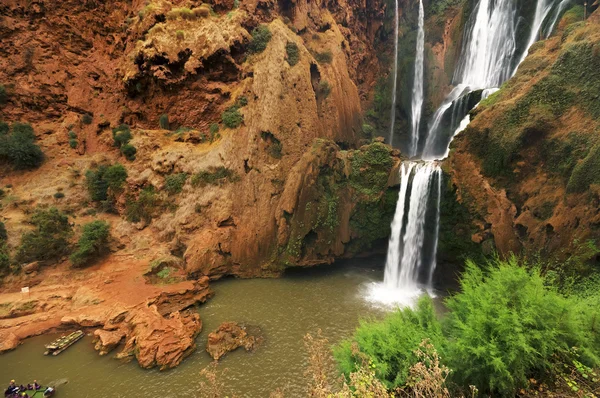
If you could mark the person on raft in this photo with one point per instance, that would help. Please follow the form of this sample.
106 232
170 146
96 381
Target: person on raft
12 389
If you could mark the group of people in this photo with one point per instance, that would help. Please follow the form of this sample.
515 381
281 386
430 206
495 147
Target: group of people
14 390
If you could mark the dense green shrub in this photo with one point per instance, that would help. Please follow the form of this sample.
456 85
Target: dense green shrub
213 176
174 183
368 130
58 195
506 326
73 143
4 259
371 169
214 129
3 94
92 244
121 135
87 118
18 147
50 239
231 117
390 344
105 182
260 38
293 53
143 207
4 128
163 121
324 57
129 151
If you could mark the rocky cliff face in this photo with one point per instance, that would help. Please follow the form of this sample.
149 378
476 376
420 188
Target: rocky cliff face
250 154
527 166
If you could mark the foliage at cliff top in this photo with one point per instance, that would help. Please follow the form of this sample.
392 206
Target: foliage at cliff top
506 326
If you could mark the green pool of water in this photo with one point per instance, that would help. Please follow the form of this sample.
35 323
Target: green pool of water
330 298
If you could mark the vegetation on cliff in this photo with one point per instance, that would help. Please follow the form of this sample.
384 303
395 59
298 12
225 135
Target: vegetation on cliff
17 146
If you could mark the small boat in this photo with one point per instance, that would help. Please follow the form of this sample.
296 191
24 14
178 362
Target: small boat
40 393
64 342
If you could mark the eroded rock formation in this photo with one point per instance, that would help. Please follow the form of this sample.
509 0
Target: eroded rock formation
229 337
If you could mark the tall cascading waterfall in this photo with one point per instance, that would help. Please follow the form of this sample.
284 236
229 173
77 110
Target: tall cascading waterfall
395 77
417 91
489 56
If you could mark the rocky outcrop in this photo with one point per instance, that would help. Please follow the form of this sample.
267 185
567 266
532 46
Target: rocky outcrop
229 337
107 340
527 166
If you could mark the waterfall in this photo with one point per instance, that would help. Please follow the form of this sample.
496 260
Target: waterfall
561 7
395 79
417 91
489 57
395 245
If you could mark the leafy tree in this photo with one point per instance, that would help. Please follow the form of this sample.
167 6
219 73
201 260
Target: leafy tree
260 38
50 239
105 182
121 135
19 149
92 244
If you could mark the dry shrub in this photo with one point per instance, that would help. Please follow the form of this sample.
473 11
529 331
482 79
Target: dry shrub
427 377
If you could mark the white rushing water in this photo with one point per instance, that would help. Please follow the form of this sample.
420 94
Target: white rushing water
417 91
557 13
395 77
488 58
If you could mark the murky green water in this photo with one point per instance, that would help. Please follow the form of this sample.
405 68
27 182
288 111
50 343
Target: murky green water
330 298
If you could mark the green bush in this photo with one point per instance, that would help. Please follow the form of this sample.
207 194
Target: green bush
4 259
143 207
4 128
73 143
87 118
293 53
174 183
3 95
3 234
324 57
241 101
121 135
129 151
231 117
180 34
506 326
72 134
50 239
390 344
163 121
105 182
213 176
92 244
18 147
260 38
58 195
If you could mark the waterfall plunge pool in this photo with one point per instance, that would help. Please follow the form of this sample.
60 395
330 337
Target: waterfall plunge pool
332 298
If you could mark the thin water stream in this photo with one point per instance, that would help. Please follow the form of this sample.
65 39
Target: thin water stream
330 298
